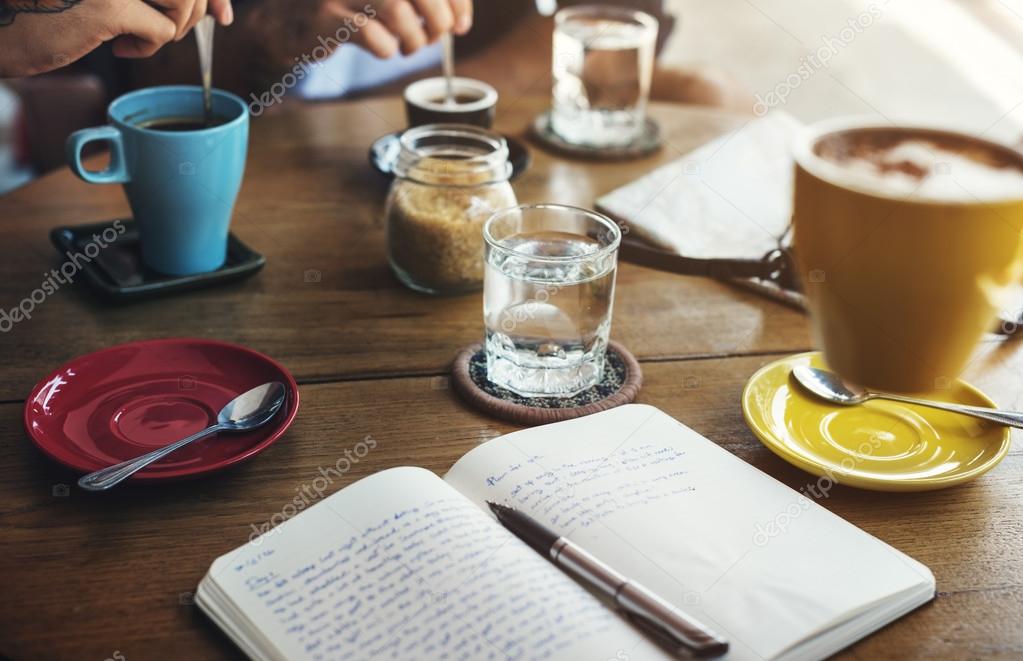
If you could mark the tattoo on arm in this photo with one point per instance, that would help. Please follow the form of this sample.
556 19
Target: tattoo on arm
11 8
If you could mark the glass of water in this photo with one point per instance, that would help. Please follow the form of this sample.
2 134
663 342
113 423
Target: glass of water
548 290
602 64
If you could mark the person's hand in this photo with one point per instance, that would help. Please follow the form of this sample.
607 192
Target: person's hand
288 31
41 35
186 13
411 24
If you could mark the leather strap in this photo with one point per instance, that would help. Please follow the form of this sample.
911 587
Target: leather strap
775 266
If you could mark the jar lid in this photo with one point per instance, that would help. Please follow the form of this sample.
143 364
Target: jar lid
453 155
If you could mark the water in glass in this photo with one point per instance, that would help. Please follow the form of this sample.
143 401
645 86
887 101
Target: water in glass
602 65
547 322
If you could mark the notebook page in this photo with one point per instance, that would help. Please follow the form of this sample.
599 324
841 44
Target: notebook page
401 566
760 562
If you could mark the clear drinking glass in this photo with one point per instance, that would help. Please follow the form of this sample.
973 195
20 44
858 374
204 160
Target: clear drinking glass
548 290
602 65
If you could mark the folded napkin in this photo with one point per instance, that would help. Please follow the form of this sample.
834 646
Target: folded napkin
730 198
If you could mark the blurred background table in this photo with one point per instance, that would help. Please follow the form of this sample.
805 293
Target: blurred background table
87 576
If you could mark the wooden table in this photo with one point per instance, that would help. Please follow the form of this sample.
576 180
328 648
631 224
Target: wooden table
88 576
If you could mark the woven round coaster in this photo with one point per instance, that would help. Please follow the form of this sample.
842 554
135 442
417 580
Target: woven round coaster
646 143
619 385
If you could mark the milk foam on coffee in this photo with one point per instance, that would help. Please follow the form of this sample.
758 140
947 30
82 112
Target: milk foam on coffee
927 165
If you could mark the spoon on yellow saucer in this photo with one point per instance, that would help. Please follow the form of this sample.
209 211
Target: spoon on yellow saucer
830 387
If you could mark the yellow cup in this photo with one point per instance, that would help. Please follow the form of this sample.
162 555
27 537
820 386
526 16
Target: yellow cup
901 288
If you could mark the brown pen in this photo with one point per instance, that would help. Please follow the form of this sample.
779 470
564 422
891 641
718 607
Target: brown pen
673 629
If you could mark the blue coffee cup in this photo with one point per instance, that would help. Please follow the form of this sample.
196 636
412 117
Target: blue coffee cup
181 184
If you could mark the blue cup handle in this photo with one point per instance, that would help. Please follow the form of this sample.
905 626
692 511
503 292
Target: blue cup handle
116 172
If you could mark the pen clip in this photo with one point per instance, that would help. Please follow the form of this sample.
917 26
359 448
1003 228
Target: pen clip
667 639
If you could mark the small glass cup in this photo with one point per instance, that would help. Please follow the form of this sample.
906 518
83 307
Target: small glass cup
548 294
602 64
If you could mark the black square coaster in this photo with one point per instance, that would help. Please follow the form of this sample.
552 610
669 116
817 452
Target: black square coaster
118 273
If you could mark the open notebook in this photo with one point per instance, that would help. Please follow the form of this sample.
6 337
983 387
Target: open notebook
405 565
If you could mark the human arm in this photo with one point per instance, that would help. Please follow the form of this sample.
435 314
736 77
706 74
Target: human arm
41 35
277 34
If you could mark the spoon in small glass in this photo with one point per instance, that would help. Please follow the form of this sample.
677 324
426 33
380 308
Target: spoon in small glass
830 387
247 411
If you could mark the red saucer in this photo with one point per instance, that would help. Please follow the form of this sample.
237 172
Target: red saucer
122 402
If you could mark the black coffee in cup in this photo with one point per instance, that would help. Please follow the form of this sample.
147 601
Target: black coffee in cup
180 123
474 102
460 99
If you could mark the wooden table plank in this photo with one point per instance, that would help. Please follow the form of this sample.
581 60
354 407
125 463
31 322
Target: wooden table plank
326 304
87 575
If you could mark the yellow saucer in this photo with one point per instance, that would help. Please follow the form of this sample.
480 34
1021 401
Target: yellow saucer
879 445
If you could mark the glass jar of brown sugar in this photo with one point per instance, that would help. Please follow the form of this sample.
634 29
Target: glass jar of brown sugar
449 178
